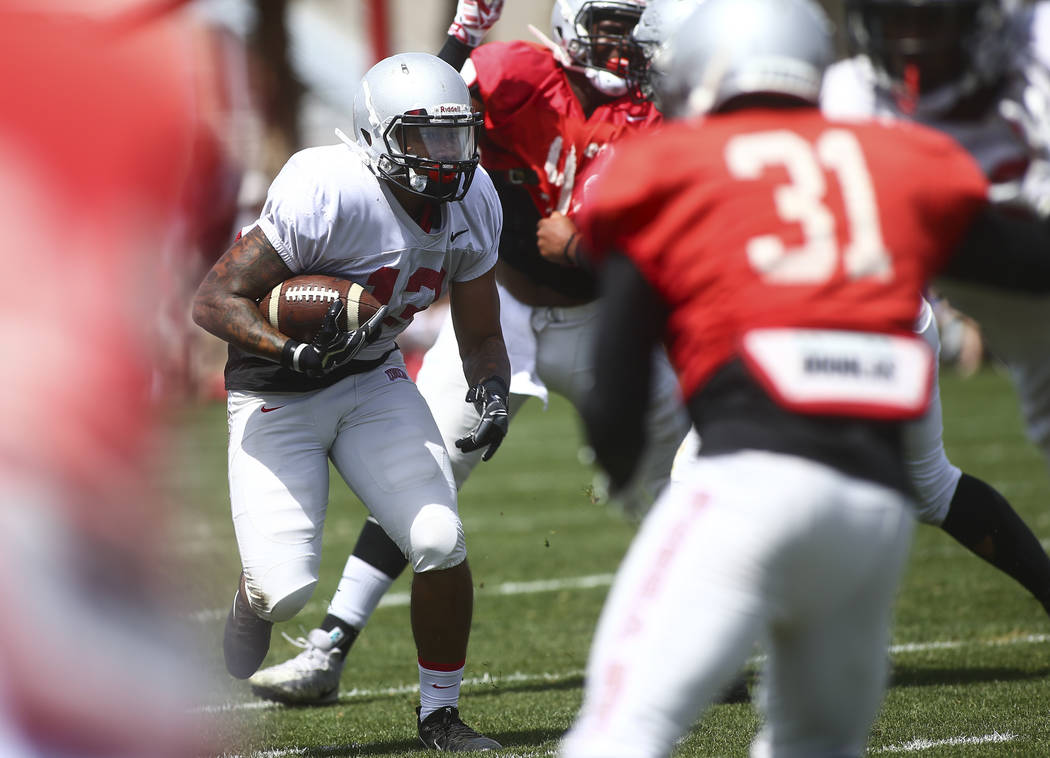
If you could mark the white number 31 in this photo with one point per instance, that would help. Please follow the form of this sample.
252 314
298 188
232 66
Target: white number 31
802 201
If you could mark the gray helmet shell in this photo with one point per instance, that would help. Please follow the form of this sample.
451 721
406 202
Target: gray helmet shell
728 48
420 91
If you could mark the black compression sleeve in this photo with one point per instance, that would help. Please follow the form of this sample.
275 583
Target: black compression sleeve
630 324
454 52
1006 252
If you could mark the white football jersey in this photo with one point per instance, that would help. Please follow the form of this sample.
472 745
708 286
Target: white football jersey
326 213
850 92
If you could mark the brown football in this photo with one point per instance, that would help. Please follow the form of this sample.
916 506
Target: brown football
296 306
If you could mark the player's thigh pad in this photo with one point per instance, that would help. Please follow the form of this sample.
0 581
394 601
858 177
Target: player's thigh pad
278 470
391 454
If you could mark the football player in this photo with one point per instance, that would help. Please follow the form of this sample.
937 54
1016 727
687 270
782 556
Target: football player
402 208
779 255
965 67
81 523
550 109
966 507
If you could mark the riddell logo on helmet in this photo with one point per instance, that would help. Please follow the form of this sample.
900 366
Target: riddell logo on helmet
453 108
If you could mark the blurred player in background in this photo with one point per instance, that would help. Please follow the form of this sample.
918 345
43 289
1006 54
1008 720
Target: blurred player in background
550 109
967 508
101 139
402 209
975 69
780 256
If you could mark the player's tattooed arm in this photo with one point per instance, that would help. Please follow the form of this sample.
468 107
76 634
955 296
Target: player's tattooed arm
475 315
226 301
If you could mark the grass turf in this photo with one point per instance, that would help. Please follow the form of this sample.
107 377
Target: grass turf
971 671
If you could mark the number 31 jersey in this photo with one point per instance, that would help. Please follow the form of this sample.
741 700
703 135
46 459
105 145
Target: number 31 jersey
782 218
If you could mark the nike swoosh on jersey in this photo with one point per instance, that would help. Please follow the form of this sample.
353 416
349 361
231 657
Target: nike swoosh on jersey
456 234
275 408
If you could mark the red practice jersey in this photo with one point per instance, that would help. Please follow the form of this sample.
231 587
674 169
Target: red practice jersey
534 122
782 218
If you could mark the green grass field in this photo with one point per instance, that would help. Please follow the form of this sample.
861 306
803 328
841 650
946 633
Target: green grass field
971 656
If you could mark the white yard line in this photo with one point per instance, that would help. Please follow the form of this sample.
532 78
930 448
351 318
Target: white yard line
486 679
913 746
344 750
916 745
506 588
519 677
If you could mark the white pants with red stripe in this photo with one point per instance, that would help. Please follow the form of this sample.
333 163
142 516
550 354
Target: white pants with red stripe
749 548
379 434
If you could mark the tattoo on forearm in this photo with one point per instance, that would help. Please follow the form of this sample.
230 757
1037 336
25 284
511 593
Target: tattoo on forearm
489 359
226 300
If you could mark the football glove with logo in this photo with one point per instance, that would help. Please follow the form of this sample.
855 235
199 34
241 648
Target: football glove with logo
332 347
473 19
490 399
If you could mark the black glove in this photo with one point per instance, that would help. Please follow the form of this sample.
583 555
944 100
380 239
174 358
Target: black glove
331 347
490 398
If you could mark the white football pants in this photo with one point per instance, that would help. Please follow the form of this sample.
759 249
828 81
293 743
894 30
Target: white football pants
378 432
751 547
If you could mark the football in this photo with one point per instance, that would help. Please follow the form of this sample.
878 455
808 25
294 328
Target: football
297 306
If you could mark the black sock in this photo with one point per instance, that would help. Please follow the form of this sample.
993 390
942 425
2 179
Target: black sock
375 548
984 522
349 633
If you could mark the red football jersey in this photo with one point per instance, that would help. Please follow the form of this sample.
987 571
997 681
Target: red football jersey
782 218
534 121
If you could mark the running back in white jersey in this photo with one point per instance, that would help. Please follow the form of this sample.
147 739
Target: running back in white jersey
326 213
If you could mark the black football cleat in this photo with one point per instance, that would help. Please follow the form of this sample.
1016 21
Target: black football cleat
443 730
245 640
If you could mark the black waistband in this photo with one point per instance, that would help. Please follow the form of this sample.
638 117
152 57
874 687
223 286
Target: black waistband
732 413
253 374
360 367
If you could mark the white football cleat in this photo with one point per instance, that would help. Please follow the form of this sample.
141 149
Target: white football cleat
310 678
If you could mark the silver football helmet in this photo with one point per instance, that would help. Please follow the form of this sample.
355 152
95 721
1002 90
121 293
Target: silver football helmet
414 119
930 54
595 37
658 22
728 48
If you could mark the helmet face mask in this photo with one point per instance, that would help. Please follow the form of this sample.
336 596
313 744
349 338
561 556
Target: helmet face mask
929 54
433 153
595 34
414 119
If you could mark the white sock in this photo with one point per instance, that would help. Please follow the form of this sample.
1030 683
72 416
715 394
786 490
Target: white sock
438 689
359 592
